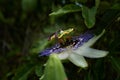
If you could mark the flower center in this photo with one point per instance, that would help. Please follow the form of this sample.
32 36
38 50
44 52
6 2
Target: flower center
67 42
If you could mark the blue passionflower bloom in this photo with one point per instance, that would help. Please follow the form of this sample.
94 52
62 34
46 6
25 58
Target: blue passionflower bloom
76 49
55 49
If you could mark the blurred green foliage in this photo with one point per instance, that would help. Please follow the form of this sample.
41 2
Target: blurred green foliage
54 69
26 24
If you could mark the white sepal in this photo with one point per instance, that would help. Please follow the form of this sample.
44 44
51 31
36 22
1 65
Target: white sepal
93 40
90 52
63 55
78 60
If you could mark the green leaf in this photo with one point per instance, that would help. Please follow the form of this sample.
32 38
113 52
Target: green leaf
6 20
2 17
29 5
38 70
116 6
66 9
23 72
39 45
89 16
116 64
97 2
54 69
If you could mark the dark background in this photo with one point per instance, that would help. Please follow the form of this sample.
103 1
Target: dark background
26 24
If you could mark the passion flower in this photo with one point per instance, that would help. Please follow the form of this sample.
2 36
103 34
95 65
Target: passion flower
76 48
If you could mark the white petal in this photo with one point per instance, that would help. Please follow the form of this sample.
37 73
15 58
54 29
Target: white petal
78 60
93 40
91 53
63 55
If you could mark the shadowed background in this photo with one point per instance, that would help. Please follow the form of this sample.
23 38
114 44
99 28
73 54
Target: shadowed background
25 26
